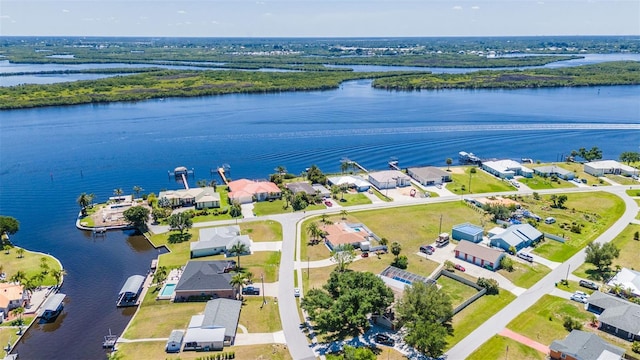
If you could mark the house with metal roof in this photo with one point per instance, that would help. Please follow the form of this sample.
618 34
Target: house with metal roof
467 231
215 328
519 236
352 181
627 279
600 168
429 175
616 316
389 179
219 240
174 343
506 169
550 170
480 255
130 291
205 280
582 345
52 307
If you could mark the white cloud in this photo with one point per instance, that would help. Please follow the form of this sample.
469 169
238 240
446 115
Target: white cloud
181 12
66 11
475 7
214 22
457 7
5 17
267 14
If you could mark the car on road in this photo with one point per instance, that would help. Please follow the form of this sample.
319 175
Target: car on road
589 284
385 339
578 298
459 267
328 203
427 249
250 290
296 292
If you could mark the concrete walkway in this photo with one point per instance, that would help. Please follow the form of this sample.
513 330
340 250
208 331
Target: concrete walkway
524 340
266 246
260 338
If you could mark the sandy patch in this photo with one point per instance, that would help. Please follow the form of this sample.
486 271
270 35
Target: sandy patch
457 170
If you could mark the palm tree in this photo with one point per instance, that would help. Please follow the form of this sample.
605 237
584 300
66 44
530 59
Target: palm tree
137 190
18 277
238 249
118 192
248 277
281 170
201 183
384 241
237 281
20 253
449 162
84 200
344 166
18 312
313 230
344 214
58 275
43 265
324 218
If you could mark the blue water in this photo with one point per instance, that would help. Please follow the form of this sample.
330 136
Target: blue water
49 156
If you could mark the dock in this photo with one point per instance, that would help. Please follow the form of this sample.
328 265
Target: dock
52 307
110 341
184 182
222 176
393 165
355 164
181 173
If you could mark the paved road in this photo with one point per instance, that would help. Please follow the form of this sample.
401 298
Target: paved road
545 286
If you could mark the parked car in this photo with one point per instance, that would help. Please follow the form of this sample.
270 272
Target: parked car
579 298
427 249
459 267
296 292
365 254
549 220
580 293
250 290
328 203
384 339
525 256
488 267
589 284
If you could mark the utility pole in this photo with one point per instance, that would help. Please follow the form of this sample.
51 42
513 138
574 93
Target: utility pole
568 267
308 268
264 300
440 228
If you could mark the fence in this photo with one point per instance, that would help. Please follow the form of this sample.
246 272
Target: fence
554 237
468 282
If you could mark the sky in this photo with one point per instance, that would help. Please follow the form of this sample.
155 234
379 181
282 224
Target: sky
318 18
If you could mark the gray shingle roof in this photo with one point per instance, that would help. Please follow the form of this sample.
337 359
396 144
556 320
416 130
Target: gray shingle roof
585 346
222 313
204 276
429 172
619 313
297 187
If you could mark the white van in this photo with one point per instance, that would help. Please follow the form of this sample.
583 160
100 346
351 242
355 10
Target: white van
549 220
525 256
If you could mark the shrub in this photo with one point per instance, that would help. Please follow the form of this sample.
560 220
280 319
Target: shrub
507 264
491 285
473 170
636 347
401 262
571 324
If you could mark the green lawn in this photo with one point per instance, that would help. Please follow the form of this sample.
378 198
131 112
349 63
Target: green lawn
594 212
457 291
578 169
477 313
622 180
267 230
274 207
538 183
148 323
258 318
574 286
542 322
352 199
500 347
481 182
633 192
525 275
629 250
153 350
29 263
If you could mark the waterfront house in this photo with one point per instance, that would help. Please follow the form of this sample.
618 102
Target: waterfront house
389 179
12 296
219 240
174 343
215 328
245 191
506 169
301 187
429 175
352 181
519 236
205 280
479 255
200 197
130 291
52 307
548 171
582 345
321 190
600 168
617 316
467 231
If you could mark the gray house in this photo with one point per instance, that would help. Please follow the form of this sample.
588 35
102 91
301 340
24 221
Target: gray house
204 280
617 316
215 328
429 175
218 240
584 346
547 171
304 187
519 236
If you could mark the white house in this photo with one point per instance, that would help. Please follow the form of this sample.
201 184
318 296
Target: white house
389 179
353 181
506 169
600 168
218 240
429 175
215 328
628 279
200 197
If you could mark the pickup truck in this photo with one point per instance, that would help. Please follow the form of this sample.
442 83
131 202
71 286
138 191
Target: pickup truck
250 290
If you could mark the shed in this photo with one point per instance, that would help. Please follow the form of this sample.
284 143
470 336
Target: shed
478 254
175 341
467 231
130 290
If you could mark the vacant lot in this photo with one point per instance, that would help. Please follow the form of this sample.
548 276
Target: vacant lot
457 291
538 182
258 318
500 347
155 350
267 230
148 324
525 275
481 182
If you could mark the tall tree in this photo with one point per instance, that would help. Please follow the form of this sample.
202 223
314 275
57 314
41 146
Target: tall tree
8 225
238 249
449 162
58 274
343 214
137 190
425 312
396 248
85 200
237 281
344 304
343 256
313 230
20 253
137 216
236 210
629 157
181 222
601 256
118 192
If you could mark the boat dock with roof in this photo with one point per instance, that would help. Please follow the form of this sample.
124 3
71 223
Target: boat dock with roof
52 307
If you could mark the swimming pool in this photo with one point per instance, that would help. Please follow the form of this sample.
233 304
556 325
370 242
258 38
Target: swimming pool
167 290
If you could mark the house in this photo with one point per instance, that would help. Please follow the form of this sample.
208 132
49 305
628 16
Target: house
128 295
389 179
600 168
628 280
548 171
174 343
301 187
218 240
467 231
582 345
52 307
352 181
321 190
204 280
616 316
429 175
506 169
12 296
342 233
479 255
200 197
519 236
245 191
215 328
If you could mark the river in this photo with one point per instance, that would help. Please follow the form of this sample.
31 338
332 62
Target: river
48 156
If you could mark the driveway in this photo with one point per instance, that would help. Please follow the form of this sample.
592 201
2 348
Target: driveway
266 246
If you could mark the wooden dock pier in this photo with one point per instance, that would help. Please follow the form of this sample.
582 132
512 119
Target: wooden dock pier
222 176
393 164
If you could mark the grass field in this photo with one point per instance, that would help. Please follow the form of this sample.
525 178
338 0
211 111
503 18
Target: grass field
477 313
574 286
267 230
633 192
155 350
457 291
629 250
259 319
525 275
542 322
352 199
622 180
481 182
500 347
29 263
593 212
538 183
